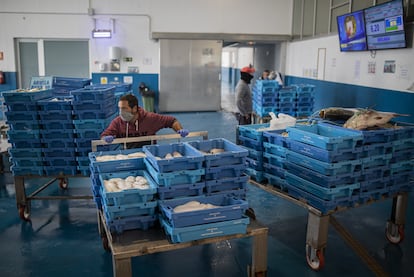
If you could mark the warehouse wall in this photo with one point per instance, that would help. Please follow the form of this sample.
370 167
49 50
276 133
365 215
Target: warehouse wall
134 23
347 82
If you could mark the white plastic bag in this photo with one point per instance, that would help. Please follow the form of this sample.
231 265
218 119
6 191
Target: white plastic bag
282 121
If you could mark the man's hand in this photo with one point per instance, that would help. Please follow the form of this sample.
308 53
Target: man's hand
183 132
108 139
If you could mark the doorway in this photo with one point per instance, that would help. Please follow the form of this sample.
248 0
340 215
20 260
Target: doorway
47 57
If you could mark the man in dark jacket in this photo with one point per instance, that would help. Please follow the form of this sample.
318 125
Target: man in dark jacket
134 121
244 101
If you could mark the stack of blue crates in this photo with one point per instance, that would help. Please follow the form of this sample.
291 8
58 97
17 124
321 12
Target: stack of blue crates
126 209
305 98
265 97
324 165
93 111
179 176
276 145
119 89
62 86
251 138
295 100
224 169
209 179
57 135
24 133
387 162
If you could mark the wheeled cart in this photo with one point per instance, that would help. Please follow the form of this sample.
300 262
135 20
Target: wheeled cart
135 243
318 223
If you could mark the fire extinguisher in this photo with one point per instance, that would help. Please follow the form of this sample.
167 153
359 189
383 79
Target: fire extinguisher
2 81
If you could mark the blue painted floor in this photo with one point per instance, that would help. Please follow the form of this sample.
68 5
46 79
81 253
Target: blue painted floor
63 240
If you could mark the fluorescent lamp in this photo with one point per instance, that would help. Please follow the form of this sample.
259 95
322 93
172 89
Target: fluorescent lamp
101 33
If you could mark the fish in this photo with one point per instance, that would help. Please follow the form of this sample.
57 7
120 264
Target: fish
367 118
337 113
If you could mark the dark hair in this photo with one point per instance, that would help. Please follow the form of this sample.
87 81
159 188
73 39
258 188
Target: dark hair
131 99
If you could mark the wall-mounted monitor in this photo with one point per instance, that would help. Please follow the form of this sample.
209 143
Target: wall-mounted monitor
385 26
351 31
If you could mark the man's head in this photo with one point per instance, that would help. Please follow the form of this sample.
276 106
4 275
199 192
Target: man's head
246 73
128 107
265 74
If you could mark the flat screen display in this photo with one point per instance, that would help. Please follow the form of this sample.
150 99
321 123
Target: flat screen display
351 31
385 26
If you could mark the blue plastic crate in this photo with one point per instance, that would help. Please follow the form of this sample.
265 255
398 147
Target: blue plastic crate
26 162
402 155
256 175
124 164
265 101
92 134
274 160
350 166
117 87
128 196
226 184
325 136
254 154
121 225
225 171
253 131
376 149
227 208
251 143
288 99
374 184
89 124
26 143
203 231
175 177
58 143
256 165
62 91
400 187
183 190
274 149
402 144
101 114
275 181
332 181
54 124
303 88
123 211
402 130
400 167
325 206
25 96
373 194
63 104
94 105
379 135
259 84
374 173
376 161
59 161
60 170
287 92
232 154
55 115
23 134
82 161
329 156
21 116
27 171
71 82
21 107
320 191
277 137
57 134
190 158
58 152
263 111
25 152
274 170
24 125
86 94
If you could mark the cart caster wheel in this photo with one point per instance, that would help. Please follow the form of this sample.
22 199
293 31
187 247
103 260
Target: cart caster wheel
63 183
250 213
24 212
315 258
394 232
105 244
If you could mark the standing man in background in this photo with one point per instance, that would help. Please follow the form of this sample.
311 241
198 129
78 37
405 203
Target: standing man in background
244 100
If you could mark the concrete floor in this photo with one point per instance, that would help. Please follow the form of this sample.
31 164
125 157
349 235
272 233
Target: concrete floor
62 238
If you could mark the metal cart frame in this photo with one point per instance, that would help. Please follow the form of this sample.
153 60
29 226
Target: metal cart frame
318 223
135 243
